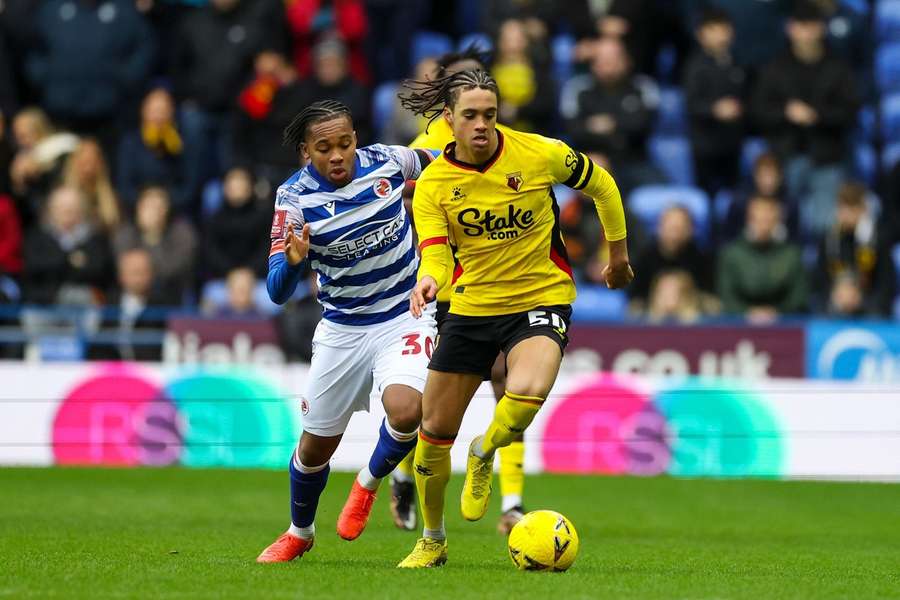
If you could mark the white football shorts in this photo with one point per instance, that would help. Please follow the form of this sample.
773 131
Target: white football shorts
350 362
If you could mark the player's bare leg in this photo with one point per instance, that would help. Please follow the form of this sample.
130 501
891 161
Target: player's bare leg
397 437
532 367
512 457
444 403
309 474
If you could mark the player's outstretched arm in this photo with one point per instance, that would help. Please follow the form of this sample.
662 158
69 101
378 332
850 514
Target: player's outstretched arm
579 172
424 292
285 267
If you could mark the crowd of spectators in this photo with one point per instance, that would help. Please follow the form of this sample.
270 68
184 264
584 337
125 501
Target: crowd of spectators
140 140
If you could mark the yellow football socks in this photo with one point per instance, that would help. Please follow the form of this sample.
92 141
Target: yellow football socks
432 471
405 466
512 416
512 473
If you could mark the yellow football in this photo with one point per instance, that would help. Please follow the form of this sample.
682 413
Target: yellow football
543 540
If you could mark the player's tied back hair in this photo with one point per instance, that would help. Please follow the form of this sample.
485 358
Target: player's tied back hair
428 97
323 110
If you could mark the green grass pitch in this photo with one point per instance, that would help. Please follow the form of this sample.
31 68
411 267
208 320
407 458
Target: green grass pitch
177 533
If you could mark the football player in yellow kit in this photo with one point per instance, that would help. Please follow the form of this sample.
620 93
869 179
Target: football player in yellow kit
512 473
489 197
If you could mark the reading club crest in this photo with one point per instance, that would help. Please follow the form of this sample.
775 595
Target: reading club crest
514 180
382 188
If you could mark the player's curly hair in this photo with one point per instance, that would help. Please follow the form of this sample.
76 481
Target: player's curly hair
428 97
472 52
323 110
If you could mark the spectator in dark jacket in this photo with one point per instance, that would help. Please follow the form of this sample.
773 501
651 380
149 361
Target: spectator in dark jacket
170 240
331 79
212 61
856 273
236 235
806 104
138 305
6 154
758 26
673 248
265 107
311 21
66 259
761 276
9 89
613 117
91 58
714 86
155 153
850 37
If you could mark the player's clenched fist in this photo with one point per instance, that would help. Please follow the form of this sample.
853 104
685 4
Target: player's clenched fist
296 247
424 292
617 275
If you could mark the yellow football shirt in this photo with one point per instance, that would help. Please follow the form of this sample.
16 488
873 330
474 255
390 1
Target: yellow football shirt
502 221
436 137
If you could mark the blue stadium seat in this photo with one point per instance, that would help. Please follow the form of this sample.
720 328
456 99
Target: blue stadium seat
887 20
890 155
597 303
751 150
383 104
672 116
481 41
895 256
211 197
215 296
722 204
866 124
562 47
859 6
427 44
865 162
672 156
666 61
890 118
10 289
887 67
648 202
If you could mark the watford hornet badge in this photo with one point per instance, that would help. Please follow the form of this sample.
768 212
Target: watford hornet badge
514 180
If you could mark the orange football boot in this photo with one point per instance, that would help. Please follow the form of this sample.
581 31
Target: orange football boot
356 511
286 548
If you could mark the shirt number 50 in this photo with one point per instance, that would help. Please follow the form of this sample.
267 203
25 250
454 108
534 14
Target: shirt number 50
537 318
414 347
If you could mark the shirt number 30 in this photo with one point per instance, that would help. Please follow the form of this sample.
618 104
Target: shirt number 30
414 347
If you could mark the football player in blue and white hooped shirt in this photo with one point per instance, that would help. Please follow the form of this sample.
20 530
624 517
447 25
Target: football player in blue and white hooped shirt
344 213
